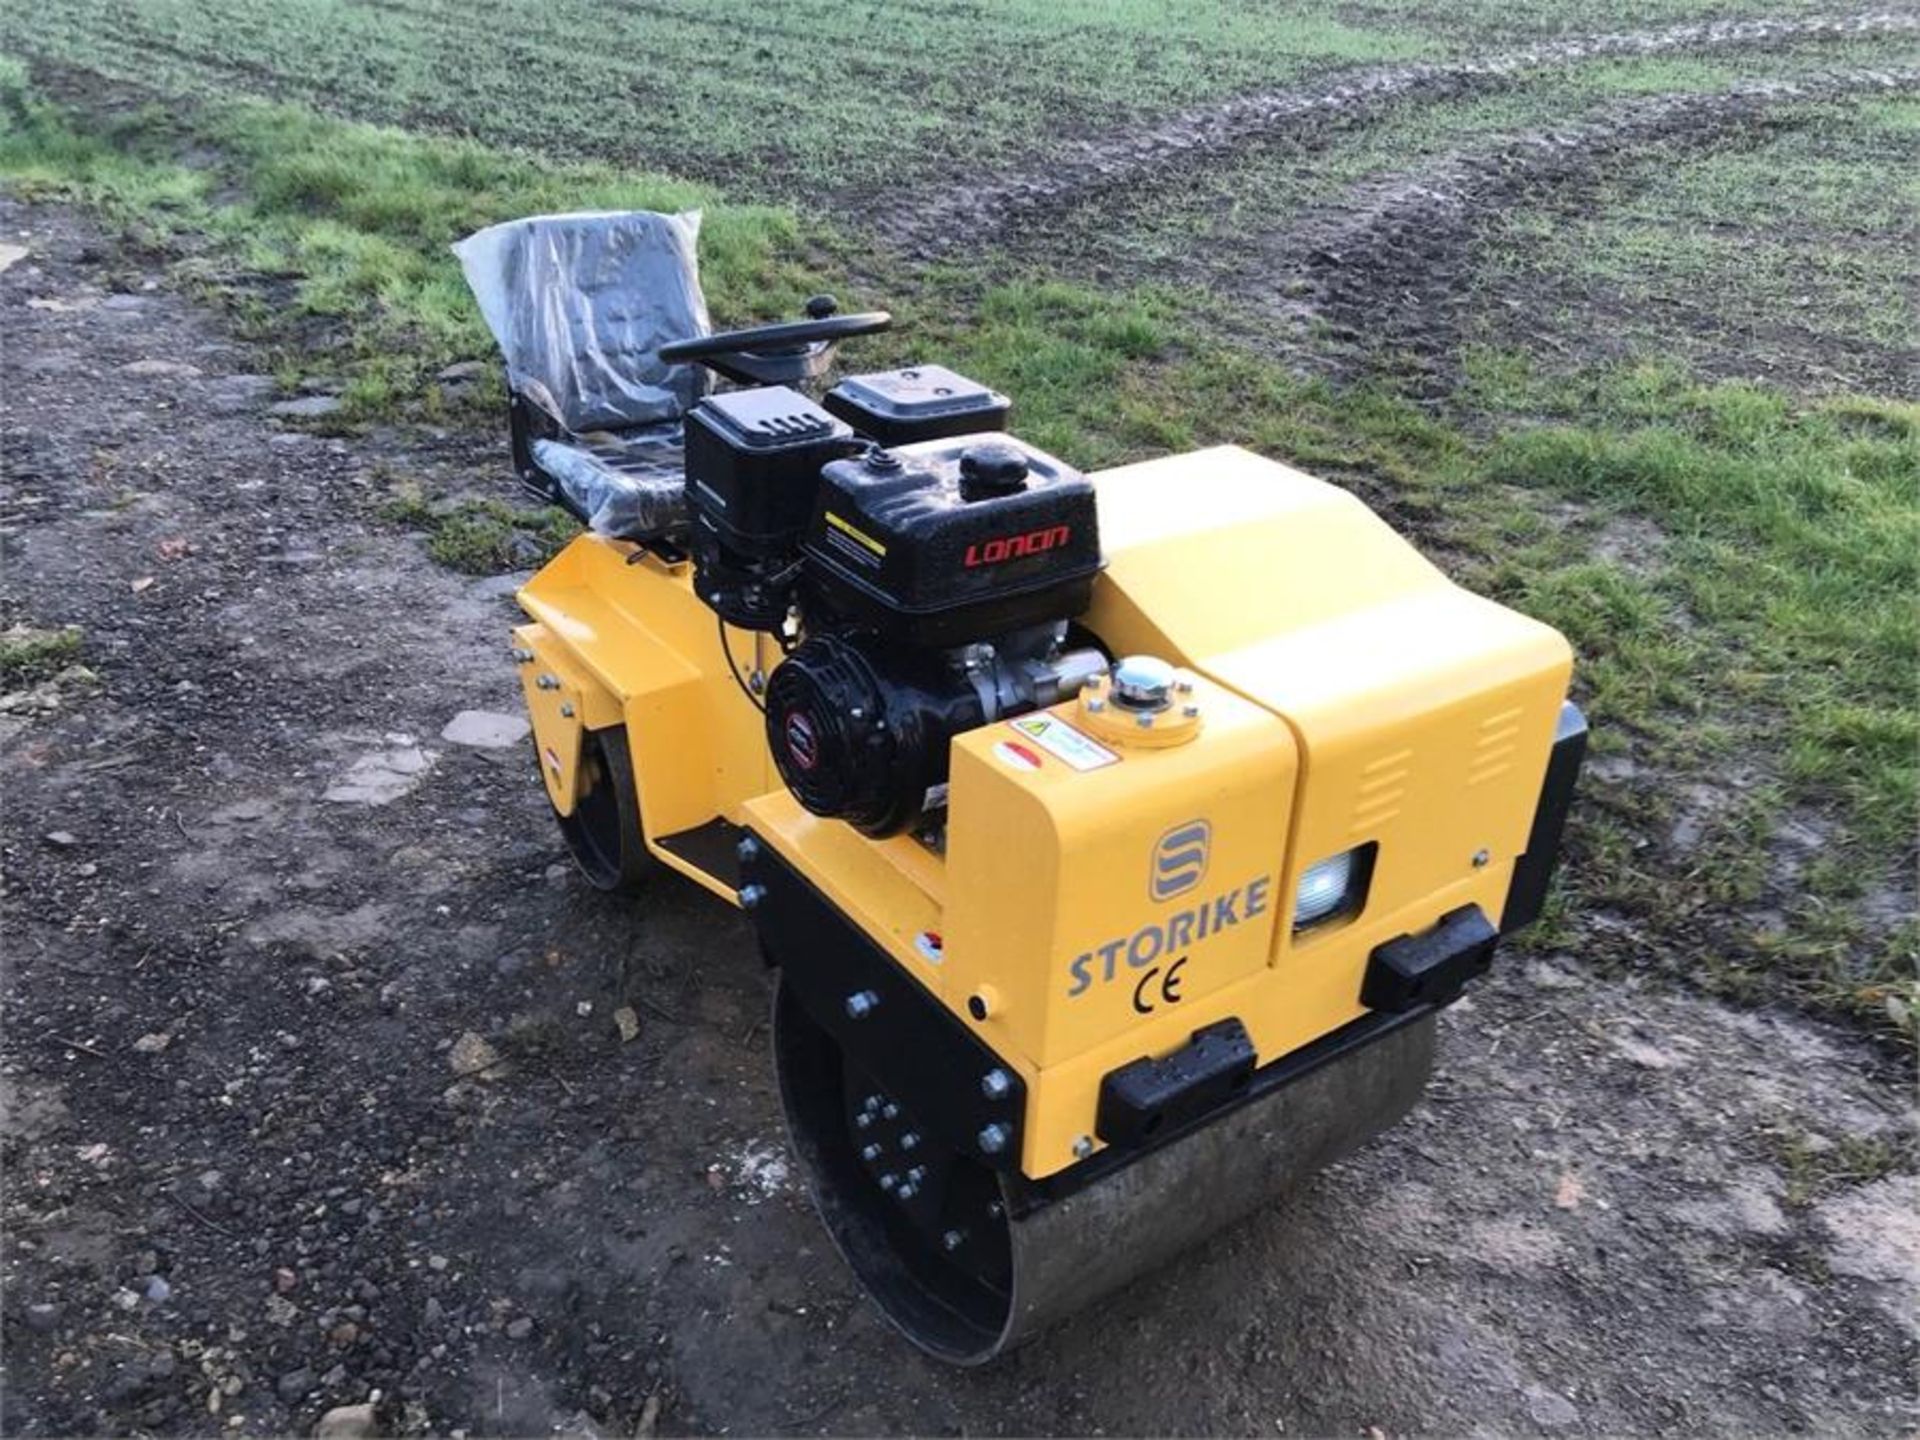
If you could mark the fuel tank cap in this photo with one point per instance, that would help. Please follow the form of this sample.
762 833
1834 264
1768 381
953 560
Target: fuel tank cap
1143 682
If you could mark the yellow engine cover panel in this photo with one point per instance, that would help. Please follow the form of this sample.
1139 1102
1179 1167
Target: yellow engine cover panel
1424 713
1093 886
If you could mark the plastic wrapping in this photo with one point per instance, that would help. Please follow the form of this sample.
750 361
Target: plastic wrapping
630 488
580 304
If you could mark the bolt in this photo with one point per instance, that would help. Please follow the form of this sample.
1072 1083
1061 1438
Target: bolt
567 710
1192 712
907 1192
752 896
863 1119
889 1180
889 1111
861 1004
1145 722
910 1140
995 1209
1480 858
548 682
916 1174
1185 687
996 1084
953 1240
1083 1147
994 1138
521 656
748 850
872 1102
870 1153
1095 704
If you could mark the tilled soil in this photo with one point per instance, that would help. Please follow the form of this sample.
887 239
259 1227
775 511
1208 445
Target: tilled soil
969 212
313 1100
1388 267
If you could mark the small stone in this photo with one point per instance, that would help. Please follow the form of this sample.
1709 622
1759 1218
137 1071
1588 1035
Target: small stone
62 839
162 367
43 1319
239 392
153 1042
1551 1411
158 1291
11 255
464 370
520 1328
382 777
344 1334
472 1055
627 1021
294 1385
285 1280
436 1262
307 407
485 730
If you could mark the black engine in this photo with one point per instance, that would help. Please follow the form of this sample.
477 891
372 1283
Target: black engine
933 581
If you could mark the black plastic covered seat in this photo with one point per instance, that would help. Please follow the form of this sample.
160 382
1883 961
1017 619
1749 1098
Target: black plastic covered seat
580 305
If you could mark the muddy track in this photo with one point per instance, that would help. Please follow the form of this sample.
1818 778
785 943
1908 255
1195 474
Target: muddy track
926 223
1387 260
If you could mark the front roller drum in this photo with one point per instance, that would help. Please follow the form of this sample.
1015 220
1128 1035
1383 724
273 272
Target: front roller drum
1002 1259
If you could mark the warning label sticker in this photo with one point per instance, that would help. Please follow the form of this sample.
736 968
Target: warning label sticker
1059 739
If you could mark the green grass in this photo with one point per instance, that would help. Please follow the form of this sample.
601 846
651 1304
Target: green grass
478 536
1215 224
329 240
806 95
1751 638
1793 255
28 654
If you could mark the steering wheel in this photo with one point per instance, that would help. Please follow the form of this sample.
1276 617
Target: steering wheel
777 354
791 334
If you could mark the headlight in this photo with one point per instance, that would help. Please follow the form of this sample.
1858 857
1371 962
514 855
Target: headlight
1332 886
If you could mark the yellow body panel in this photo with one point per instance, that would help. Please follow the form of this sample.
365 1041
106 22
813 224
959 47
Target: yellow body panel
639 638
1349 694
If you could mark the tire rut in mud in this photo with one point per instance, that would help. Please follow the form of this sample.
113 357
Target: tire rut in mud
1383 269
927 223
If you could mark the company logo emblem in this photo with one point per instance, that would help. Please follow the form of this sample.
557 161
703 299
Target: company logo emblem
1180 859
1003 548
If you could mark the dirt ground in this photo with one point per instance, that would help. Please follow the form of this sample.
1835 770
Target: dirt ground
311 1099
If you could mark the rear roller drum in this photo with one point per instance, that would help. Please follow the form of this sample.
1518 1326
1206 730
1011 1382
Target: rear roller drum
603 832
968 1263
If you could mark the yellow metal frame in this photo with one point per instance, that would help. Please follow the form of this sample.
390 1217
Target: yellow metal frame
1343 693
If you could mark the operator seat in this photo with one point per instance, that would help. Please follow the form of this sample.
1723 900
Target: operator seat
580 305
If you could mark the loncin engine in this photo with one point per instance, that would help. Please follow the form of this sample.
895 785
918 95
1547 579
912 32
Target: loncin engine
921 567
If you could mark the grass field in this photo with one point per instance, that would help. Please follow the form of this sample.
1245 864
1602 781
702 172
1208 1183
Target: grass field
770 100
1662 397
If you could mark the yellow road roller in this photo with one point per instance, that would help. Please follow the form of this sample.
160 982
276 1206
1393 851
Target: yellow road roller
1115 838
